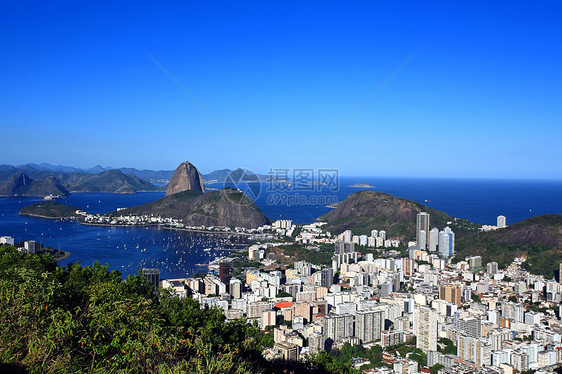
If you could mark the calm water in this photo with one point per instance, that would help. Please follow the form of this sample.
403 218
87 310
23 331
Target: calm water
176 253
480 201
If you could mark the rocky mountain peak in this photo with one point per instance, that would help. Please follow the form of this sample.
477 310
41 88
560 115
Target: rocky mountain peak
185 178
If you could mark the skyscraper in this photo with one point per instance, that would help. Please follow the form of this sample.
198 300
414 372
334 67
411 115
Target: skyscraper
422 223
501 222
433 239
446 242
224 272
338 327
326 277
450 293
426 329
368 325
423 239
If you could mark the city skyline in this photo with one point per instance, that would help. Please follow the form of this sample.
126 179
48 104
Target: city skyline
366 88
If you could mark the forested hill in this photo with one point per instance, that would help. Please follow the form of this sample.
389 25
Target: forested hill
539 239
368 210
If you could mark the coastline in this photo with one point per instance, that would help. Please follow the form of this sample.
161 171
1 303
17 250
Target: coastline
47 217
207 231
82 222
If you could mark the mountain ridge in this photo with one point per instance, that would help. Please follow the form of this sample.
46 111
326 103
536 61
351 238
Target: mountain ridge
22 185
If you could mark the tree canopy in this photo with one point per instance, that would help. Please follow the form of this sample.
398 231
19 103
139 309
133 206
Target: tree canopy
87 319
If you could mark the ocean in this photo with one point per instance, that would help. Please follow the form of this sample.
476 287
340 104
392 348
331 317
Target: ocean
478 200
178 253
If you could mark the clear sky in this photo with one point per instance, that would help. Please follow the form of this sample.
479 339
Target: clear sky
461 88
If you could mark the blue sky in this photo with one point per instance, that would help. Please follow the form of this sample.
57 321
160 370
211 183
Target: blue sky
479 98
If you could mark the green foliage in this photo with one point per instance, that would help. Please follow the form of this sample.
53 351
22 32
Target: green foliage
49 209
475 297
243 262
536 238
449 346
283 294
322 256
78 319
435 368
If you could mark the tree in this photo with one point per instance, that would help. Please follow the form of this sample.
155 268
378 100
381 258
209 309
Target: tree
435 368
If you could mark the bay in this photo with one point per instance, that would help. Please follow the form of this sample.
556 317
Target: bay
177 253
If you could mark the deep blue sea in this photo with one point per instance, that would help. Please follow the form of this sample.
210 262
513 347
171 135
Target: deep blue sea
176 253
478 200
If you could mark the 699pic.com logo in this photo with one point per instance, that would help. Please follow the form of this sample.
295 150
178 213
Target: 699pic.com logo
242 186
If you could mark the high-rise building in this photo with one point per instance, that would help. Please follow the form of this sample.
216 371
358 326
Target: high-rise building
315 342
30 246
501 222
433 239
514 311
477 350
347 235
520 360
422 223
471 326
474 262
224 272
386 289
450 293
326 277
363 240
426 329
152 275
338 327
423 239
289 351
492 268
368 325
446 242
235 288
341 247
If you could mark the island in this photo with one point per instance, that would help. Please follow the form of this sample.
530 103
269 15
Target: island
362 185
50 209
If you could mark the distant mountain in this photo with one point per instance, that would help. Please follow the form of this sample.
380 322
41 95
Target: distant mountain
186 178
111 181
23 185
539 239
43 170
56 168
368 210
227 207
217 175
235 176
97 169
150 175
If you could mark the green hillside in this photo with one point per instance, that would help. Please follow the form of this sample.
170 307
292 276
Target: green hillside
539 239
368 210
